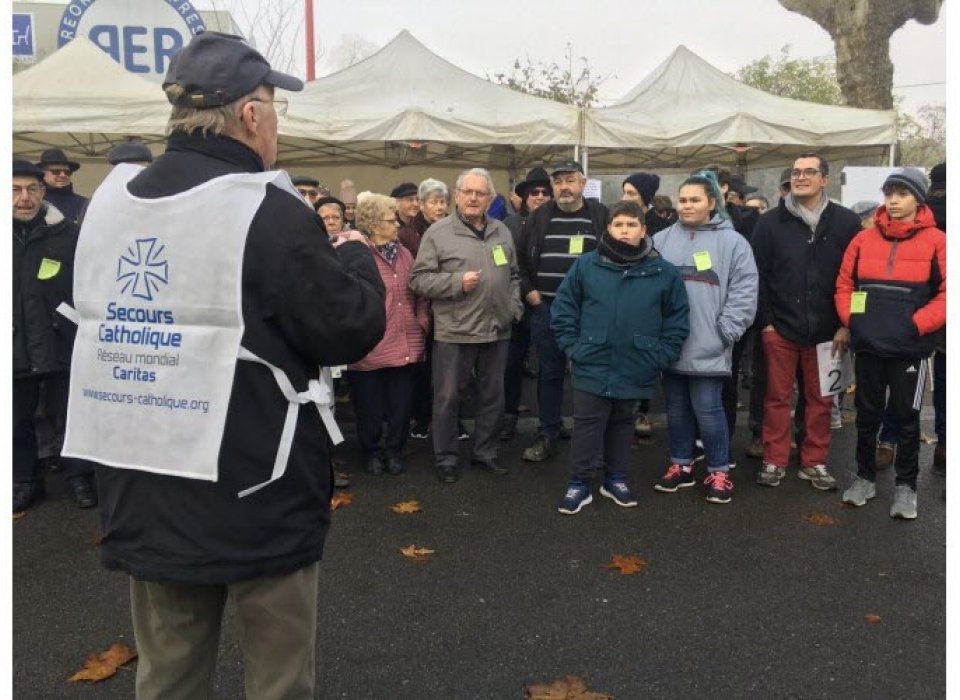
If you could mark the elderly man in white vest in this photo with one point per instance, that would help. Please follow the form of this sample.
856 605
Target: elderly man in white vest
209 300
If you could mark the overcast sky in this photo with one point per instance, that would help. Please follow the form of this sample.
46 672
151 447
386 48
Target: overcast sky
624 40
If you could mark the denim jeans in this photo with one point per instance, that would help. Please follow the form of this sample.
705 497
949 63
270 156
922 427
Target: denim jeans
552 368
692 402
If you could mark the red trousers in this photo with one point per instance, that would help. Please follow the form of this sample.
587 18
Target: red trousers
782 358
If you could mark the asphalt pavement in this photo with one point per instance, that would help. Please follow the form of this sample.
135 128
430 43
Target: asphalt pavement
750 599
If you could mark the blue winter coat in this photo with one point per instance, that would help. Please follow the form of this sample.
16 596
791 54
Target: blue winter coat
620 326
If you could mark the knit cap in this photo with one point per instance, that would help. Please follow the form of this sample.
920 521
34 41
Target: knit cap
646 184
911 179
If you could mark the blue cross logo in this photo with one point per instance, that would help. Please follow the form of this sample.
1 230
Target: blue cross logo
143 268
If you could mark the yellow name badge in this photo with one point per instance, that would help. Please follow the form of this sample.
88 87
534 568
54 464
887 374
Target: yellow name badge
499 257
576 245
702 260
858 303
48 269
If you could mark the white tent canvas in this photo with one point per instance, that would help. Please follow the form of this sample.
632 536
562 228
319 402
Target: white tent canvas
405 104
687 112
82 100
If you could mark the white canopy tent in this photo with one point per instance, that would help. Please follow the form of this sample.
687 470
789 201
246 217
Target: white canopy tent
688 113
81 100
406 105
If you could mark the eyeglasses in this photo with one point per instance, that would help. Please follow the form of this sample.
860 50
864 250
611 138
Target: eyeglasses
390 221
58 171
806 172
539 192
480 194
29 189
280 104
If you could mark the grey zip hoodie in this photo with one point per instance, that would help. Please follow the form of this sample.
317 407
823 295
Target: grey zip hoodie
722 293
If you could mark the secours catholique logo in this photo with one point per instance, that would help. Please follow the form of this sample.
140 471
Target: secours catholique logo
143 268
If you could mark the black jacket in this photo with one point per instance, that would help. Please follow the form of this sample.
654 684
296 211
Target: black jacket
70 204
304 305
531 237
42 338
798 271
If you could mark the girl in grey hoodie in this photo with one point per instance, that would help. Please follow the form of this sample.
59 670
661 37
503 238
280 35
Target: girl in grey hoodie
720 276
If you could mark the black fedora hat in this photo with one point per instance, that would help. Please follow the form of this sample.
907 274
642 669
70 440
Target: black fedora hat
536 176
55 156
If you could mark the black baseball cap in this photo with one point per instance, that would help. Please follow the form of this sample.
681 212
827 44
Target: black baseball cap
740 186
216 69
566 166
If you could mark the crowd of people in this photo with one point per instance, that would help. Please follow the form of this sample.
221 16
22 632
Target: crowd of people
415 303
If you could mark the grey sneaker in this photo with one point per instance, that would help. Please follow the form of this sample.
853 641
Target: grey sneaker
818 476
904 503
770 474
860 491
541 449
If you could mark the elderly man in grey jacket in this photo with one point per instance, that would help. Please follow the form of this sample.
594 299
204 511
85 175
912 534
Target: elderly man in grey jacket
467 266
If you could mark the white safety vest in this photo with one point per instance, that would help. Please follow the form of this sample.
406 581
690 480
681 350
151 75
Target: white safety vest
159 323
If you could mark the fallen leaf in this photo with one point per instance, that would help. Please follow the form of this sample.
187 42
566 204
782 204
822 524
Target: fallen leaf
566 688
819 519
406 507
872 619
17 516
627 564
419 554
98 667
340 498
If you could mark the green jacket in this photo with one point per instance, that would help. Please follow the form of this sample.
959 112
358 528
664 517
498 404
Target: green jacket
620 326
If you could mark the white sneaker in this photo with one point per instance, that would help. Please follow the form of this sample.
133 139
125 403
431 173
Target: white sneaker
860 491
904 503
818 476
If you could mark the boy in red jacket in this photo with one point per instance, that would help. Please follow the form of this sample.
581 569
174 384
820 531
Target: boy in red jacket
892 294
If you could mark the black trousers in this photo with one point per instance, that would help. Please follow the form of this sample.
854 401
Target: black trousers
513 376
731 386
383 395
906 379
422 410
602 427
26 398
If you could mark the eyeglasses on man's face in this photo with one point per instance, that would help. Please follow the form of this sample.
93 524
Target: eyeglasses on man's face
796 173
279 103
479 194
32 190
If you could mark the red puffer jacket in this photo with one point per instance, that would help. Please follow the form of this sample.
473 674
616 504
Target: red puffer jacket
902 268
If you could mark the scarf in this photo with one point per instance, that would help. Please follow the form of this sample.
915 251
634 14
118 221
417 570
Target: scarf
389 251
811 217
622 253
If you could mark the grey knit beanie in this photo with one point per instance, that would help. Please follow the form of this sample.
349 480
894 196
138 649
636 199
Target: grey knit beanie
912 179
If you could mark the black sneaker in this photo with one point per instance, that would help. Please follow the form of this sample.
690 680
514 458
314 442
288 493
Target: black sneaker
719 487
541 449
420 431
676 477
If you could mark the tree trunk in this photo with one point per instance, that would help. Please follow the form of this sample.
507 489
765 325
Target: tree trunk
861 31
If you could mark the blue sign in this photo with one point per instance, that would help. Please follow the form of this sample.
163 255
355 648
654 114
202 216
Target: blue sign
23 34
141 36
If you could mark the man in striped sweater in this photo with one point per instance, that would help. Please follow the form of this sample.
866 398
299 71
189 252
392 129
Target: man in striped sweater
552 239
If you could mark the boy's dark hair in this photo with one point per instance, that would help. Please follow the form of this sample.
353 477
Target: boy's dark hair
824 166
631 209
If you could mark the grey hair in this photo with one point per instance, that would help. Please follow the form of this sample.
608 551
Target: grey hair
372 208
479 172
430 187
215 120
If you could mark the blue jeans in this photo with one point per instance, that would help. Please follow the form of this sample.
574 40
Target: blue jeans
693 402
552 365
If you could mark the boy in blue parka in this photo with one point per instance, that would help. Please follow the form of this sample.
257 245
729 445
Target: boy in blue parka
621 316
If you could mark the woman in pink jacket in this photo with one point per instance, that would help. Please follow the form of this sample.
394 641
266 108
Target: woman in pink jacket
382 382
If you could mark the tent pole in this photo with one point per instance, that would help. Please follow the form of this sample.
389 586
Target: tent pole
893 154
586 158
576 151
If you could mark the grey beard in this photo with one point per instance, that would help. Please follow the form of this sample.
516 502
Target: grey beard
576 205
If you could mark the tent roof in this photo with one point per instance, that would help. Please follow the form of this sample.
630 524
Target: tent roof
407 95
688 112
81 90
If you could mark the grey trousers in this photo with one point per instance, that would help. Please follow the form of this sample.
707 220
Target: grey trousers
177 628
452 366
